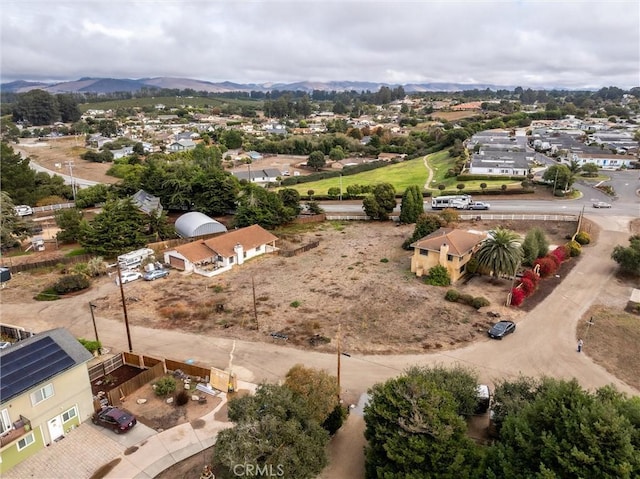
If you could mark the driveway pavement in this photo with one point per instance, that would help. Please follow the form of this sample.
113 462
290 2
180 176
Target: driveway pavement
543 344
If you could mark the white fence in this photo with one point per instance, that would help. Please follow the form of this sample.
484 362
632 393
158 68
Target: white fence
59 206
482 216
522 217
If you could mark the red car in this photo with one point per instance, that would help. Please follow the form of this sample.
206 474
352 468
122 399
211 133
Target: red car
116 419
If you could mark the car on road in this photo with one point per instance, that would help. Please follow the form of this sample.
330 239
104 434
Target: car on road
479 205
501 329
128 276
601 204
155 274
23 210
116 419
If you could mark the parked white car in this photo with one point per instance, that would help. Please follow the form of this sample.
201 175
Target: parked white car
24 210
128 276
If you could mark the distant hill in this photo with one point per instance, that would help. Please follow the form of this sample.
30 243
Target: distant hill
111 85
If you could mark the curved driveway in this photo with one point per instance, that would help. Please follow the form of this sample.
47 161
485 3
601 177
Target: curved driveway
543 344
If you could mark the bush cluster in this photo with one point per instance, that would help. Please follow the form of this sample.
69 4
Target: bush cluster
71 283
165 386
583 238
456 297
438 276
574 248
182 398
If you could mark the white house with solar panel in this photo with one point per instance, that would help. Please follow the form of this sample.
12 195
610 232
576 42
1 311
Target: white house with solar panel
45 393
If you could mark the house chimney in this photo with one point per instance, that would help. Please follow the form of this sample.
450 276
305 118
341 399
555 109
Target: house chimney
444 252
239 251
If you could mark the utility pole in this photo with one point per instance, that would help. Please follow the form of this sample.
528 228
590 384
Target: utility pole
589 324
124 309
73 181
338 342
95 329
255 307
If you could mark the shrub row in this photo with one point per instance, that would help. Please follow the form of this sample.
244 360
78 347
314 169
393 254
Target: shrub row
456 297
489 177
545 267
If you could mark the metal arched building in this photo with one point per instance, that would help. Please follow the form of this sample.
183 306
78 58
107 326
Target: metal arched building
194 224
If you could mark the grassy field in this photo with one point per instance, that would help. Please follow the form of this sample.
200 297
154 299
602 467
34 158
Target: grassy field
169 102
400 175
613 341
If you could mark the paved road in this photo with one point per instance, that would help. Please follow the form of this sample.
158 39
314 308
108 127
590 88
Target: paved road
543 344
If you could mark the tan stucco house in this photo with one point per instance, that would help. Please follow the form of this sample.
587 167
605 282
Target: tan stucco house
451 248
45 393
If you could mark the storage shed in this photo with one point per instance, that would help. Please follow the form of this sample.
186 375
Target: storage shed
194 224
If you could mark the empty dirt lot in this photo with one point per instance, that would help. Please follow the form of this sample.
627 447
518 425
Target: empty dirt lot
358 276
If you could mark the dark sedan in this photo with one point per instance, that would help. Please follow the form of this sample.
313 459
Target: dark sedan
501 329
118 420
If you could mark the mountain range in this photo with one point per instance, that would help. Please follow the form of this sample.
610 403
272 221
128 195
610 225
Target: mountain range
111 85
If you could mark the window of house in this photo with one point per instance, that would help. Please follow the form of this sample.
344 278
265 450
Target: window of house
26 441
5 421
258 248
231 260
449 257
463 267
42 394
70 414
424 252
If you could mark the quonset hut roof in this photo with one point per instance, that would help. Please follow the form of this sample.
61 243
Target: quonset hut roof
194 224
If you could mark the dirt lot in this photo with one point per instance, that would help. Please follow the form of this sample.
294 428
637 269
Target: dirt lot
358 276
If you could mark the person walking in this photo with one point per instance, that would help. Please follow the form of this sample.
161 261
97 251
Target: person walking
580 344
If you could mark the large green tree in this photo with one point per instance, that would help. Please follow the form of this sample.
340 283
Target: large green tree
500 253
560 175
259 206
565 431
68 220
12 227
16 176
273 429
37 107
628 257
381 202
534 246
316 160
412 205
415 429
317 384
118 228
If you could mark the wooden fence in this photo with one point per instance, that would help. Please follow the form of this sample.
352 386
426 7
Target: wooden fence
297 251
310 219
16 268
190 369
105 367
123 390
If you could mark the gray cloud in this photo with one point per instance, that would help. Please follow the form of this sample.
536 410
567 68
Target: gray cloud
529 43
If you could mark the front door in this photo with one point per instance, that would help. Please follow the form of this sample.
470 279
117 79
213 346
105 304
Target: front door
55 428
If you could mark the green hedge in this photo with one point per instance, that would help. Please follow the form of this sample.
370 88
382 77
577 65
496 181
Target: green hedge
489 177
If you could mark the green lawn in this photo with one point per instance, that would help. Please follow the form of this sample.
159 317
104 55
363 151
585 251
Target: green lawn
400 175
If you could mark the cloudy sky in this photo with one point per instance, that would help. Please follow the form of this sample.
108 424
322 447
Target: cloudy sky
553 43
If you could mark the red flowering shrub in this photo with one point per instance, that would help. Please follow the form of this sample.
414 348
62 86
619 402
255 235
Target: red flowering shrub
527 286
555 259
547 266
561 253
531 276
517 297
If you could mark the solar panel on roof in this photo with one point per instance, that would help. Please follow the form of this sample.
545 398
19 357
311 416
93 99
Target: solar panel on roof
31 364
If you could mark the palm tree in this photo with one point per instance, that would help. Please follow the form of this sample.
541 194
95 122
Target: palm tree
501 253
